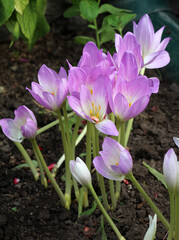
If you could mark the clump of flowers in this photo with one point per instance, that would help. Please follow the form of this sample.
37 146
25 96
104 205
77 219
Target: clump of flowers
108 91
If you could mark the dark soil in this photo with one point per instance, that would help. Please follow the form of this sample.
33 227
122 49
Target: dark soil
27 210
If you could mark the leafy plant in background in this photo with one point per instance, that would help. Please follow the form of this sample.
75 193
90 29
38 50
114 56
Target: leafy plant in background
25 19
115 19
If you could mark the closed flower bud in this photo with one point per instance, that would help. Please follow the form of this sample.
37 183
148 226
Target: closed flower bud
80 171
170 167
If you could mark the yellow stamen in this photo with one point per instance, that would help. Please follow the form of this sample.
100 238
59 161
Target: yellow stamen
117 164
91 112
91 90
97 115
130 104
53 94
92 104
99 107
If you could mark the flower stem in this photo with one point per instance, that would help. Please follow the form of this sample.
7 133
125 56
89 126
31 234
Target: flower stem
42 175
88 145
49 175
74 136
52 124
28 159
67 160
95 141
112 194
131 177
172 216
128 130
97 34
122 140
176 216
120 237
79 138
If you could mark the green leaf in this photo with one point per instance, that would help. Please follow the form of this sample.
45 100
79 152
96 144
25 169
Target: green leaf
107 34
91 26
25 165
42 28
28 20
20 5
41 6
13 26
111 9
72 12
125 19
14 209
104 236
6 9
90 211
157 174
89 9
75 2
83 39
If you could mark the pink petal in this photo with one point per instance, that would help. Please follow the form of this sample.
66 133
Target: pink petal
104 171
156 60
107 127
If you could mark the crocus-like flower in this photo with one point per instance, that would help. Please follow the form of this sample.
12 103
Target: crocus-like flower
52 88
153 50
127 99
92 105
24 125
127 44
93 63
128 71
115 161
150 234
170 169
80 171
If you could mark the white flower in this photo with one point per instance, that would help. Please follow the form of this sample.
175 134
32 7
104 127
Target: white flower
150 234
80 171
176 140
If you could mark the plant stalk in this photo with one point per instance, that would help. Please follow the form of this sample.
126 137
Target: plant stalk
28 160
131 177
49 175
115 229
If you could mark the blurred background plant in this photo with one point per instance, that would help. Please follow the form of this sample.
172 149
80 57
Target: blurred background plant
112 19
25 19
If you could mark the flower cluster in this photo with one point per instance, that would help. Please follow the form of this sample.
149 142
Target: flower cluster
107 90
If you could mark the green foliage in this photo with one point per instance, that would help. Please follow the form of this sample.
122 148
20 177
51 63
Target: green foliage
90 211
157 174
25 165
89 9
83 39
25 19
101 228
114 20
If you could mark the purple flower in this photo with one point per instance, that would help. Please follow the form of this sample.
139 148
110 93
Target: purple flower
52 88
127 44
127 99
153 50
128 71
92 64
24 125
171 170
115 161
80 171
92 103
